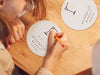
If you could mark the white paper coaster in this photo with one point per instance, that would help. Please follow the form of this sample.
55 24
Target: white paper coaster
79 14
37 36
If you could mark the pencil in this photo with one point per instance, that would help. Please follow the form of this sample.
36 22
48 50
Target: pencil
59 41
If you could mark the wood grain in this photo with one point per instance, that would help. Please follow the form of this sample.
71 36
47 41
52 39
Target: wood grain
75 60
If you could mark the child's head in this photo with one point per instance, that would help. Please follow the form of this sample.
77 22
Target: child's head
11 8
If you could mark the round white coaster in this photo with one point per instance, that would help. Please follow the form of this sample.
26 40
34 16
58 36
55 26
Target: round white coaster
79 14
37 36
96 59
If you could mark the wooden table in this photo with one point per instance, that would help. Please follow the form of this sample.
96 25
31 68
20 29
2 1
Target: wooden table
76 60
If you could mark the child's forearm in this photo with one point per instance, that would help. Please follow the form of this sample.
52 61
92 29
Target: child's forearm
50 63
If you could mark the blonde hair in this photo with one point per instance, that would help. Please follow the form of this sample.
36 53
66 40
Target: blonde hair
40 9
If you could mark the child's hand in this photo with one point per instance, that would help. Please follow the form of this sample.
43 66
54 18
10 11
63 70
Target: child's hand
55 50
17 31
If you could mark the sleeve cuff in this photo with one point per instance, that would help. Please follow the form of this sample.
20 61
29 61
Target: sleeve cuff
44 71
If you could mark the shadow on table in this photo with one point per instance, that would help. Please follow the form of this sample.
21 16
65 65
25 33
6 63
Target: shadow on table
85 72
19 71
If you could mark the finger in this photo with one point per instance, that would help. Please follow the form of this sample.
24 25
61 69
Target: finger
8 46
52 34
20 32
16 36
59 35
23 28
64 40
11 39
64 35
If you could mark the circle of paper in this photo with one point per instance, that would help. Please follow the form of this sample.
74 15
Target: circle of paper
79 14
37 36
96 59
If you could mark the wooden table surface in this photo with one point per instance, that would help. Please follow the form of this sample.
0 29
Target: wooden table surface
76 60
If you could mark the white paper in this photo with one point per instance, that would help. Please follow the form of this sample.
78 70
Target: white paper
79 14
37 36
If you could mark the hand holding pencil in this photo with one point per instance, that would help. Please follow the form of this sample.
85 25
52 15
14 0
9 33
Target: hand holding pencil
57 45
57 38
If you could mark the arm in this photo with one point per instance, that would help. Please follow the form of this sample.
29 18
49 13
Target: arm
6 62
17 31
44 71
54 52
2 72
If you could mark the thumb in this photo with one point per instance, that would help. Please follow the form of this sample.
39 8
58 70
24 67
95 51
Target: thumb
52 34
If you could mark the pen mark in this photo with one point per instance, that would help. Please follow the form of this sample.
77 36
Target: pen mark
66 8
52 28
